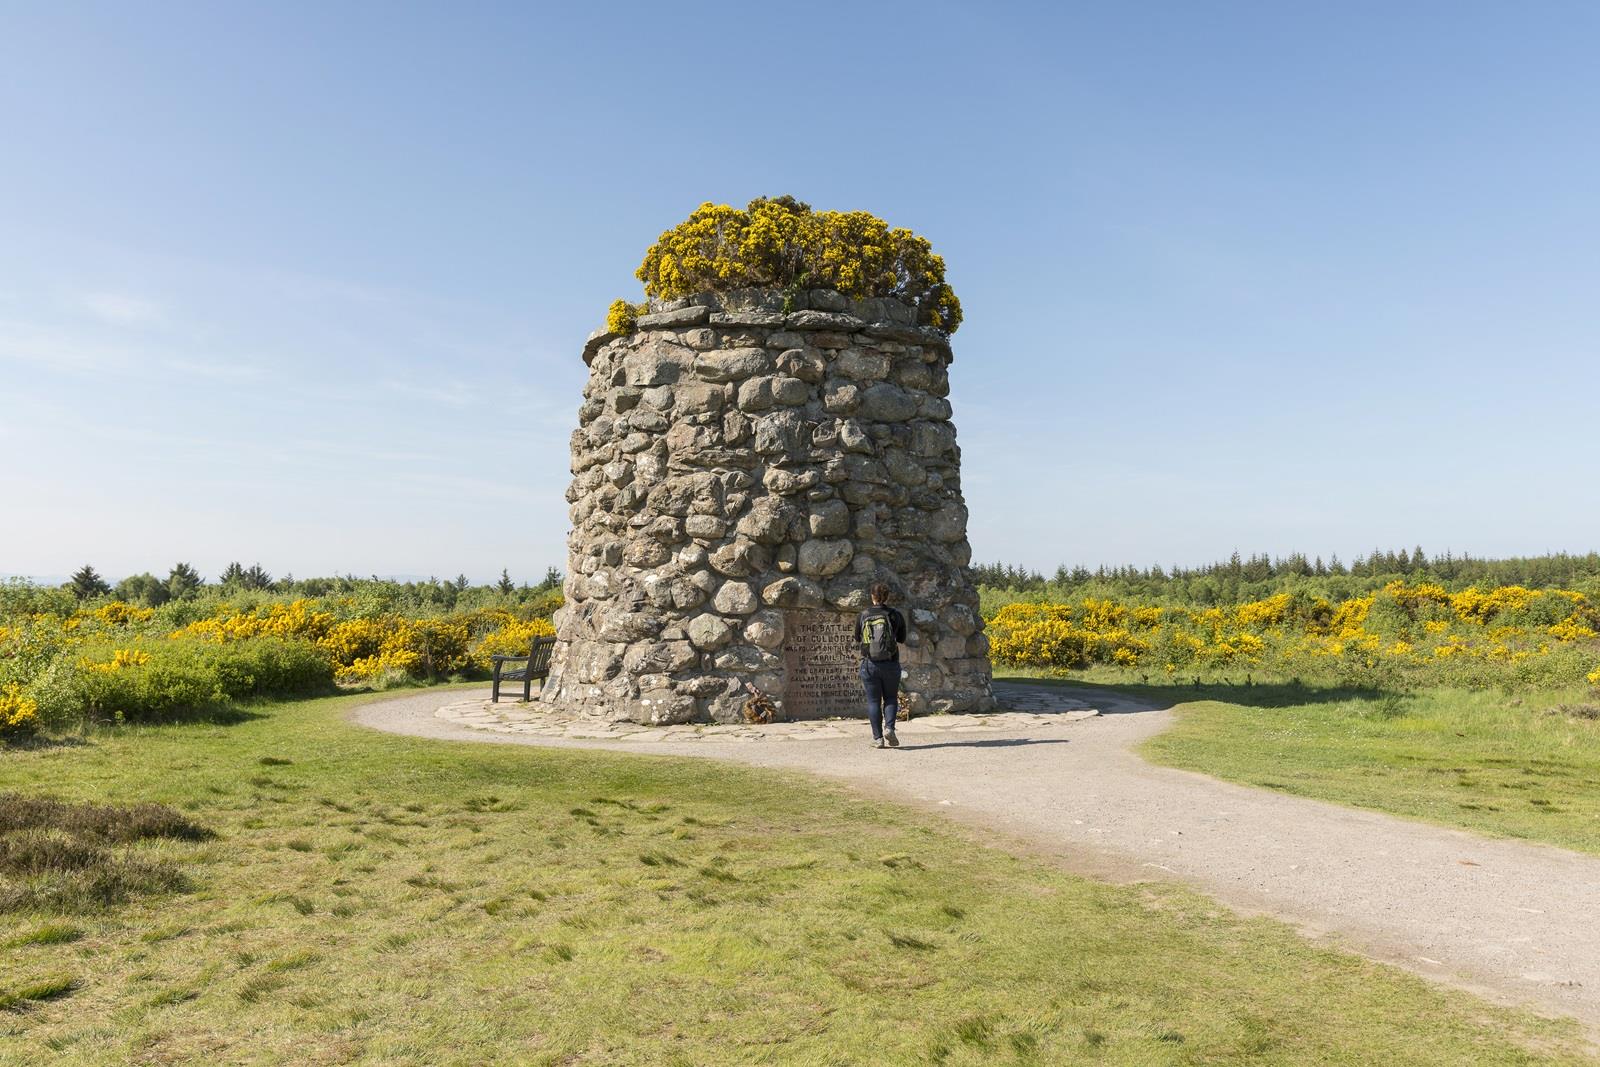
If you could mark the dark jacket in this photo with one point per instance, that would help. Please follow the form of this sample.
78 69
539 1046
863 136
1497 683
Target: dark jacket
896 620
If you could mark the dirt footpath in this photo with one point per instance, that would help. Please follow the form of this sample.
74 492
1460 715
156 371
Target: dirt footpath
1517 922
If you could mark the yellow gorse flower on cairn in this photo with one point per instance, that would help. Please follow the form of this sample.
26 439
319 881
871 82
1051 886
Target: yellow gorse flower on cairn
782 243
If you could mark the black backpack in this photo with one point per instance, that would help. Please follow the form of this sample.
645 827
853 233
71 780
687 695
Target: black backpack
877 635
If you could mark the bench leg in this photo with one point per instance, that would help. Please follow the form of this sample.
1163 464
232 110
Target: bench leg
527 687
495 697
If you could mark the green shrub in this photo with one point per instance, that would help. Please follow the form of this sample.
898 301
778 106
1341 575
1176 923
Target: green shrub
265 666
152 681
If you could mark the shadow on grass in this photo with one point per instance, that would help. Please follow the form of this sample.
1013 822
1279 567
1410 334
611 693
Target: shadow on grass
994 742
214 715
1135 698
41 742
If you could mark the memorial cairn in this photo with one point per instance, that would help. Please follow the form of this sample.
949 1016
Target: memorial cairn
761 441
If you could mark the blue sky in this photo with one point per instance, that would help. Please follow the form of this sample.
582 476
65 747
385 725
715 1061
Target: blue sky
307 283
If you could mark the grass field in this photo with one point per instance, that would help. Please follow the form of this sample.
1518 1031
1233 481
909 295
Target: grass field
1508 766
376 899
1513 766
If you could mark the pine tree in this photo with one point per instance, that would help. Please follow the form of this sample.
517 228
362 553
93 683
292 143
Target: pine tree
86 583
505 584
233 574
183 581
256 578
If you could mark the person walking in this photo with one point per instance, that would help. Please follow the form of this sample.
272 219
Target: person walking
880 630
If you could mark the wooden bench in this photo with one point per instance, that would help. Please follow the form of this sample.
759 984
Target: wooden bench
536 664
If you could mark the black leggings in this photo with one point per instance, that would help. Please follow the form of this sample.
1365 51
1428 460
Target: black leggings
882 682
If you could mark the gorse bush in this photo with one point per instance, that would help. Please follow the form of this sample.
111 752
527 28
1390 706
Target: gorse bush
623 317
18 713
513 638
782 243
148 680
118 661
1403 632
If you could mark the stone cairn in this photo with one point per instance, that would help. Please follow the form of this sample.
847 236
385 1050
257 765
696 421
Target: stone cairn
747 464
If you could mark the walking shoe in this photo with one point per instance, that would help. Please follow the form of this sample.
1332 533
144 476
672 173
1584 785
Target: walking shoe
877 742
894 742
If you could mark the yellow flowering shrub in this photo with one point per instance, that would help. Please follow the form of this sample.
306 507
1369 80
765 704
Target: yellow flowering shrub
121 659
370 668
1400 627
353 639
296 619
1048 636
1237 648
782 243
623 317
1352 614
512 639
439 645
118 613
1147 618
1417 597
1269 612
1572 628
1472 605
126 663
18 714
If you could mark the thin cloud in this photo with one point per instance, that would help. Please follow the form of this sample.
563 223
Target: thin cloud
452 395
228 372
121 309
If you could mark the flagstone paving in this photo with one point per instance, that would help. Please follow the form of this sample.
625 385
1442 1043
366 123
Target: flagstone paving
1024 708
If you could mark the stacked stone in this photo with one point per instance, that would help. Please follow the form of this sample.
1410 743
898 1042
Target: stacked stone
745 455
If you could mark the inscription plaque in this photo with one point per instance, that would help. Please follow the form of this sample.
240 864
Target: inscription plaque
821 661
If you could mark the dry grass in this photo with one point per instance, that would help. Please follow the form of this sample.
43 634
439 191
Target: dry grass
66 857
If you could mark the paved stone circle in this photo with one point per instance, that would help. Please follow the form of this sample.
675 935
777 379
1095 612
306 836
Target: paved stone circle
1021 706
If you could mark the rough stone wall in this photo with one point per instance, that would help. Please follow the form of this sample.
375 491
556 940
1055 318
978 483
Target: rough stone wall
736 462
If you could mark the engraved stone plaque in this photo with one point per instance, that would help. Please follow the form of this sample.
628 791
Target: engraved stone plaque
821 660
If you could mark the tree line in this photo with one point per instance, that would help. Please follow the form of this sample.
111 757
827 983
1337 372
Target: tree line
183 582
1240 578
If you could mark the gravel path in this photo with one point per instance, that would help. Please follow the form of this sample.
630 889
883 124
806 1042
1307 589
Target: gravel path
1516 922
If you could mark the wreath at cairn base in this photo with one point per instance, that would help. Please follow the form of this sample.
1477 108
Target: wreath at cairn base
758 707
